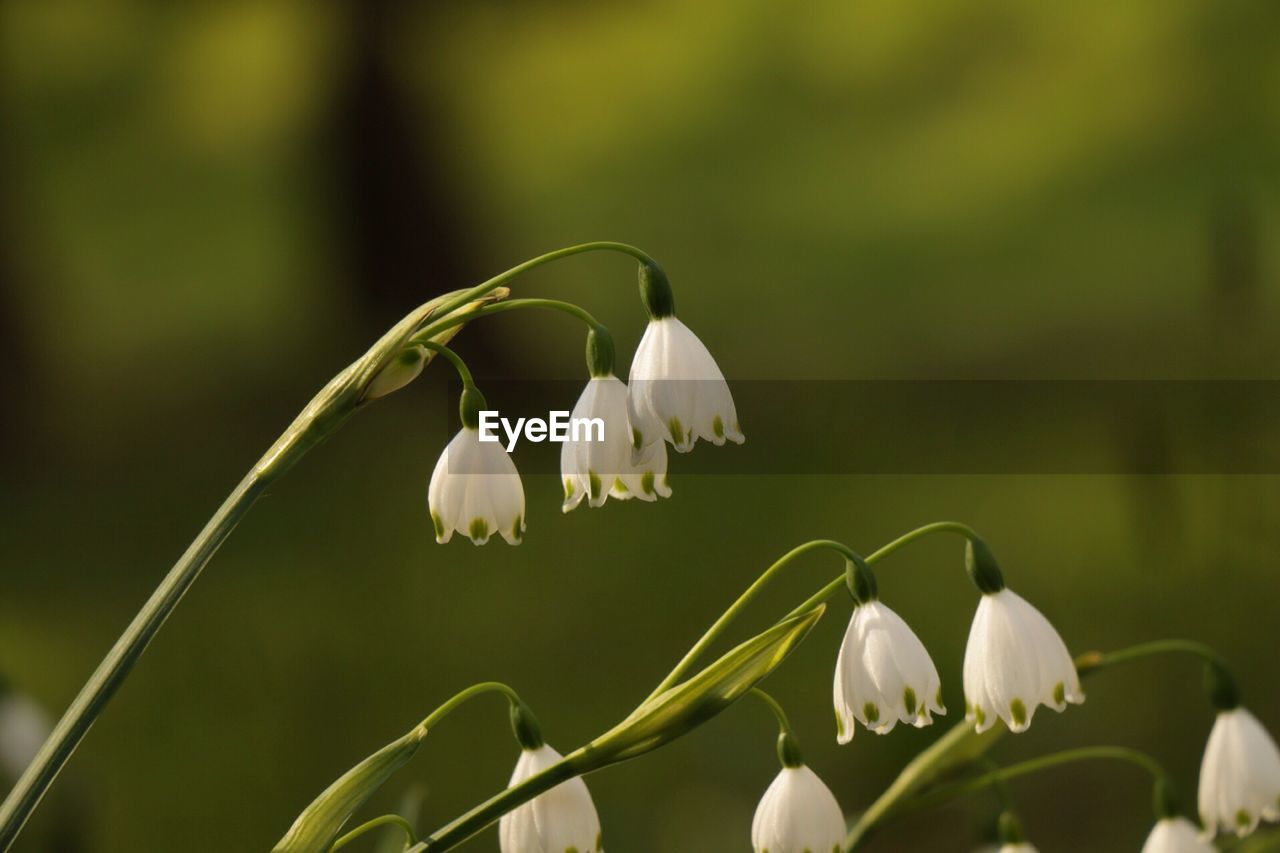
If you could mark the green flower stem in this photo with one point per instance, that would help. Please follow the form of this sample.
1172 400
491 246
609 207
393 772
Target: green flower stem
1092 661
385 820
508 305
1045 762
500 279
718 627
784 725
453 358
495 807
471 692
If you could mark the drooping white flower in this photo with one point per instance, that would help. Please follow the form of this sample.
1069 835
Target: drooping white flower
596 463
797 814
1176 835
563 819
677 391
1239 775
24 726
884 675
1014 662
476 489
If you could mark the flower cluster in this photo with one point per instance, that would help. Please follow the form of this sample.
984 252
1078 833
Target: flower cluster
1014 662
676 394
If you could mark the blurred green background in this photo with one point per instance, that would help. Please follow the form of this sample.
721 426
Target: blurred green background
208 209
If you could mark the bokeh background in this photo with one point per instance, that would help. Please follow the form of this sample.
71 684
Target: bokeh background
208 209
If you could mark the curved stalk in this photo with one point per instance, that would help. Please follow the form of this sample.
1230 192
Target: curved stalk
385 820
508 305
325 413
717 628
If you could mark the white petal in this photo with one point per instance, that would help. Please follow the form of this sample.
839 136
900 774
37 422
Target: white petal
677 390
1015 661
561 819
1239 775
475 488
596 469
797 814
1176 835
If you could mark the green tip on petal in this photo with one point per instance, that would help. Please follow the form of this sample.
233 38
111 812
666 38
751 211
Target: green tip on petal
593 485
937 700
909 699
637 438
1018 712
839 725
619 486
980 716
568 488
646 483
1060 693
438 524
1242 818
478 531
677 430
717 427
871 712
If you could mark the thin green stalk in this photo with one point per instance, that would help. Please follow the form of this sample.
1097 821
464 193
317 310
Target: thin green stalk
718 627
462 828
453 358
500 279
784 725
1102 660
384 820
507 305
471 692
950 792
325 413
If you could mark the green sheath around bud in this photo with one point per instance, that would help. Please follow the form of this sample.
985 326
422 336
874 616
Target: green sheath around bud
1165 799
691 703
470 405
600 355
319 824
982 566
860 580
1221 686
1010 829
525 726
655 292
789 750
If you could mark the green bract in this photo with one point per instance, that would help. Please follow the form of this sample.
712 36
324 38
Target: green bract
682 708
319 824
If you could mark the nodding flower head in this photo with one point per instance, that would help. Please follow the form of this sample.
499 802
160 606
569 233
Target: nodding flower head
1239 775
476 489
1014 662
595 465
1176 835
563 819
883 674
677 391
797 814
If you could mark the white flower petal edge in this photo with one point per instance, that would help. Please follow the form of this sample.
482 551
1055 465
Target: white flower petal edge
1014 662
884 675
1176 835
1018 848
677 390
596 469
563 819
1239 775
475 488
797 814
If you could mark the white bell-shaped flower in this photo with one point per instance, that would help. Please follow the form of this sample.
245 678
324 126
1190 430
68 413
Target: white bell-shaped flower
1239 775
475 488
597 460
1014 662
1176 835
884 675
677 391
797 814
561 820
